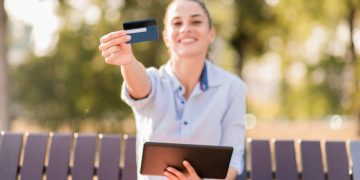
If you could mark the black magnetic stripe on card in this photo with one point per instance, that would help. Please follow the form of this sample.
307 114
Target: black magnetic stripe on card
139 24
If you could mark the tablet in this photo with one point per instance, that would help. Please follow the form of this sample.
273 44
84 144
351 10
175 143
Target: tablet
208 161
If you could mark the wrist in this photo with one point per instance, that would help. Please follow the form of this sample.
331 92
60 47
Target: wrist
129 63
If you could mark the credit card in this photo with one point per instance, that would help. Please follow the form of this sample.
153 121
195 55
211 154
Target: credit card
142 30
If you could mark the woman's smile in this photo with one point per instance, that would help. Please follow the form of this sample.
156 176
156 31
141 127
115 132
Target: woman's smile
187 40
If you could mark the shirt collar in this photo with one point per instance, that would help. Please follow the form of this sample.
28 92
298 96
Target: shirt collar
174 80
208 77
212 73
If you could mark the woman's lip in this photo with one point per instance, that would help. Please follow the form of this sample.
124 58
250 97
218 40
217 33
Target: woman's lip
187 40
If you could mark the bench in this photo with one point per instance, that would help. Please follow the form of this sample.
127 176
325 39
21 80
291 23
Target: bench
33 156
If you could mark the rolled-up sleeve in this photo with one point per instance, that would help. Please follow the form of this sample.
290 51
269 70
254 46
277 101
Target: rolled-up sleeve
140 103
233 126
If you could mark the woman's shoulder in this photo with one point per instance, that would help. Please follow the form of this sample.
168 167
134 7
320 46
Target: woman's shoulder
158 73
220 74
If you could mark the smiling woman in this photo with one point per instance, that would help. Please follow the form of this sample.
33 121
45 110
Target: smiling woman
188 100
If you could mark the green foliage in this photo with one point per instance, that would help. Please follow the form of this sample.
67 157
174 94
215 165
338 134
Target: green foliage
72 83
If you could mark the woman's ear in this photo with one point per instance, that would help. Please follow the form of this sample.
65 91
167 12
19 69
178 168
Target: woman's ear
165 38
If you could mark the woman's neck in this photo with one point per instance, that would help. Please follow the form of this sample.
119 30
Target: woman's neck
188 71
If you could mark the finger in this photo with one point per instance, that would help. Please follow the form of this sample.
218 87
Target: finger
190 169
112 35
109 51
170 176
114 42
111 59
177 173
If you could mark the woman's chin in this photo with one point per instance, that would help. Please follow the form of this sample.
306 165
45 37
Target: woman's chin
188 53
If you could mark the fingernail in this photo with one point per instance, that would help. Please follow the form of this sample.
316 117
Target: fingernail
128 37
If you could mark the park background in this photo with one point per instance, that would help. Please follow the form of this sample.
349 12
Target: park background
300 60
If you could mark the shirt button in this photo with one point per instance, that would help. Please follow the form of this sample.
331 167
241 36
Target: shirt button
180 88
185 122
182 102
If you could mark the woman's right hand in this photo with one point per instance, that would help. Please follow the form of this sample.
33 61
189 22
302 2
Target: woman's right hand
114 49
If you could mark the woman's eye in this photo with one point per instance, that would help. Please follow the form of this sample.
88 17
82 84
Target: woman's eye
177 24
197 22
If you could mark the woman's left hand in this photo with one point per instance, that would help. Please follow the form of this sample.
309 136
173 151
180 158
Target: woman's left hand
174 174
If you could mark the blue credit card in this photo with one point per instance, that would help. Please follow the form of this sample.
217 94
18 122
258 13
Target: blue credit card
142 30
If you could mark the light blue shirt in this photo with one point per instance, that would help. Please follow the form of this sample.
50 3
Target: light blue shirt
214 113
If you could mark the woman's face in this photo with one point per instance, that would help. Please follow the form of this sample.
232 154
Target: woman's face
187 31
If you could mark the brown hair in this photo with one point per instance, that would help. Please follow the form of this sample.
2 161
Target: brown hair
201 4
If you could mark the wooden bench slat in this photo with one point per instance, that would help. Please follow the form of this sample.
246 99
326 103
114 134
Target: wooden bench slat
109 158
129 170
260 160
59 157
286 168
84 157
355 155
34 156
10 149
311 158
337 160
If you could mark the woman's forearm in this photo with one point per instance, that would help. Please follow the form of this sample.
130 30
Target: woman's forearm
137 81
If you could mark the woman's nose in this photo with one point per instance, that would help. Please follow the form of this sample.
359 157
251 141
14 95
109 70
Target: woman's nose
185 27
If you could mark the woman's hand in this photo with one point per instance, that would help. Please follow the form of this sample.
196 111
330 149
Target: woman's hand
114 49
173 174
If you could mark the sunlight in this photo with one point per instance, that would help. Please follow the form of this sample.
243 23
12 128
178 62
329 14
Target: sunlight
356 39
314 44
228 2
338 45
40 15
296 73
272 2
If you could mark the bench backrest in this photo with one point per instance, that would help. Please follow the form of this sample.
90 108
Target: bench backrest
57 156
113 157
315 163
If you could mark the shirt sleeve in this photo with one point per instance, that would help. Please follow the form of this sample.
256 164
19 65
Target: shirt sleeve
234 126
139 104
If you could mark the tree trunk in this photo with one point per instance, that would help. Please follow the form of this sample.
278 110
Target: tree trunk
354 61
4 78
239 42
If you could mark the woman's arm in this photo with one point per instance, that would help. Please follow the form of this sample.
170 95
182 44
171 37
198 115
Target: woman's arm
115 51
233 125
137 81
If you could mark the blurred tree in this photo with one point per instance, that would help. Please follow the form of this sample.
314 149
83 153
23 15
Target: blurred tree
306 36
4 77
352 18
312 29
255 23
72 83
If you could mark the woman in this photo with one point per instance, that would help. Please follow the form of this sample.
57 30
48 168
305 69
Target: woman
187 100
